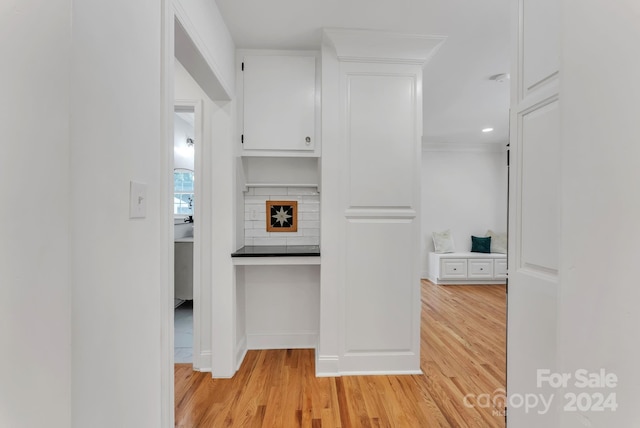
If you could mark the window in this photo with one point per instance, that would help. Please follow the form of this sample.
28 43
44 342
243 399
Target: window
183 192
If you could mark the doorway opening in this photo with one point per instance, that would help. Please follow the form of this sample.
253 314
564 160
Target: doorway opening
183 231
187 220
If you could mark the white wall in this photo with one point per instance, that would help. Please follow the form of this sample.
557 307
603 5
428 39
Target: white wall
183 156
208 31
464 191
35 314
600 229
116 261
82 281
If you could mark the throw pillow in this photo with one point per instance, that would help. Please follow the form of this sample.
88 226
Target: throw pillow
480 244
498 242
443 242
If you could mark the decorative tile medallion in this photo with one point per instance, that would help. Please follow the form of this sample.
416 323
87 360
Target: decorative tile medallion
282 216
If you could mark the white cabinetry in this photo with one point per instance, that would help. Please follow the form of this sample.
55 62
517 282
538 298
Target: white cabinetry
454 268
500 268
480 269
467 268
280 104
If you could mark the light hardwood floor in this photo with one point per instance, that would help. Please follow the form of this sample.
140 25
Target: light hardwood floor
462 352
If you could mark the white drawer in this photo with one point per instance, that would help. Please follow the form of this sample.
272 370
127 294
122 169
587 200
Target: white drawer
500 268
453 268
480 268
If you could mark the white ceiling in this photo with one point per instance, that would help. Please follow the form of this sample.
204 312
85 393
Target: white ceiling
459 98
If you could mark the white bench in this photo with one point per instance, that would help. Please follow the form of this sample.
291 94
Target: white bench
467 268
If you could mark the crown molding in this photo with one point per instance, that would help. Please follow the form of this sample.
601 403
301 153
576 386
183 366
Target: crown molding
382 46
465 147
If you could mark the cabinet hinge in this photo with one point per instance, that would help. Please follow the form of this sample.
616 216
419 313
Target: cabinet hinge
243 66
242 139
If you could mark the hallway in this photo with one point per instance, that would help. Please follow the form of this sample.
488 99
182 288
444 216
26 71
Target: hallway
463 355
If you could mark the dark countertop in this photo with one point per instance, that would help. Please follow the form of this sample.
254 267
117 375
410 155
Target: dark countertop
277 251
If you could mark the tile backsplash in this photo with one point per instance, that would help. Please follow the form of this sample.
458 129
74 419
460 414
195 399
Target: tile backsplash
255 227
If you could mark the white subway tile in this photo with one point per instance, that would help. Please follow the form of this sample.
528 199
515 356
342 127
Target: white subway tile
254 216
256 233
254 207
258 224
309 216
310 232
303 240
305 224
286 198
258 199
268 191
302 191
305 208
249 192
269 241
285 234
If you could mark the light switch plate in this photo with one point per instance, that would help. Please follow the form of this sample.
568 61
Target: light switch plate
137 200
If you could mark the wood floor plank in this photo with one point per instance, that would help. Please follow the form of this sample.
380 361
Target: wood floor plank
463 344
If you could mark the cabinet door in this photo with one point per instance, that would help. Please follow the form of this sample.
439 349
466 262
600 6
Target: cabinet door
500 268
279 102
453 269
480 268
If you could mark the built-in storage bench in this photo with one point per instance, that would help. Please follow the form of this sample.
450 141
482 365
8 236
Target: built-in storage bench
467 268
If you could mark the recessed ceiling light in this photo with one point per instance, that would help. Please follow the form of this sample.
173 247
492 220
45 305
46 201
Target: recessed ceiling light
487 130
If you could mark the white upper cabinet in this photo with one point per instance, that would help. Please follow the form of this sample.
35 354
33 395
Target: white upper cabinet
279 104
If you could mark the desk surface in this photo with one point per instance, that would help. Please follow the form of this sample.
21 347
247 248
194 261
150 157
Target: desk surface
277 251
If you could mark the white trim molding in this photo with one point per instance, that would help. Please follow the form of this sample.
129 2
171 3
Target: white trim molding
380 46
465 147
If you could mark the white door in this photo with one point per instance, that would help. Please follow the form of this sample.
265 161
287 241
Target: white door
534 215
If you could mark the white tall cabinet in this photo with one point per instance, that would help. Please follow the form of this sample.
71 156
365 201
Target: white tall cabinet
371 128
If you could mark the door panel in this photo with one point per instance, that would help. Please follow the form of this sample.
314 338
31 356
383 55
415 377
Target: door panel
534 209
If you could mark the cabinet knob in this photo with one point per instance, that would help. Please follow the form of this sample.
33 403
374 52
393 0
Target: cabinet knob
307 140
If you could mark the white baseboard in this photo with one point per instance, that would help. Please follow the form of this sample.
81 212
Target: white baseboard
382 373
202 363
470 282
283 340
368 364
327 366
241 352
380 363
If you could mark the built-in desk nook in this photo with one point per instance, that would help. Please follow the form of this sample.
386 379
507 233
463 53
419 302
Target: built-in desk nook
278 295
277 255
